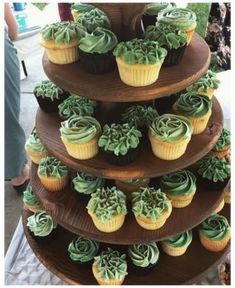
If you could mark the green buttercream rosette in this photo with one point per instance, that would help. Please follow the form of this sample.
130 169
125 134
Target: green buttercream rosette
179 240
224 140
155 8
87 184
47 89
29 198
50 166
34 143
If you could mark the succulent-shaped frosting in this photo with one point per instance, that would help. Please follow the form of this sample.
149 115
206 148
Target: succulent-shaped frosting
34 143
80 129
119 138
29 198
41 224
107 203
224 140
182 182
143 255
209 80
192 104
182 18
47 89
155 8
50 166
93 19
139 115
179 240
111 264
171 128
213 168
168 36
150 203
63 32
140 51
100 41
82 249
82 8
215 227
87 184
137 181
76 105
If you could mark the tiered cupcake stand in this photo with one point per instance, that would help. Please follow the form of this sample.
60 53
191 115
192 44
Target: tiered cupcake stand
71 213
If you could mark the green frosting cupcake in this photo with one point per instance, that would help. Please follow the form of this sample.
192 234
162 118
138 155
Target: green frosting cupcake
50 166
224 140
30 199
179 240
41 224
138 181
143 255
119 138
87 184
82 249
107 203
155 8
82 8
140 51
47 89
34 143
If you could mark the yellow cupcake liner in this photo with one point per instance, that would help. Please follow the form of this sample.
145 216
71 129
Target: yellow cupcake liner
199 123
102 281
138 75
180 201
189 32
35 156
221 153
174 251
75 14
209 92
220 206
52 184
214 246
227 197
32 208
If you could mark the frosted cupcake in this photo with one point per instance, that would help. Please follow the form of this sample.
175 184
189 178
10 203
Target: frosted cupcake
78 8
30 200
222 146
219 207
80 136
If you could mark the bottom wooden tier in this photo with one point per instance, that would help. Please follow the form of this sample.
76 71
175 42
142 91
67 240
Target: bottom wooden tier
186 269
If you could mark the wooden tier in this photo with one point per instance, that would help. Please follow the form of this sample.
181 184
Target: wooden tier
189 268
69 210
109 88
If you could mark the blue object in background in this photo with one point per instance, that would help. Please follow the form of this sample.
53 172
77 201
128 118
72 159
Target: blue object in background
21 19
19 6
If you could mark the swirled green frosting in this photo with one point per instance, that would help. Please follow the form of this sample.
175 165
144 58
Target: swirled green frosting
155 8
47 89
111 264
137 181
87 184
168 36
180 240
29 198
41 224
150 203
63 32
182 18
119 138
107 203
182 182
82 249
80 129
81 8
93 19
192 104
213 168
224 140
215 227
34 143
50 166
100 41
76 105
140 51
143 255
171 128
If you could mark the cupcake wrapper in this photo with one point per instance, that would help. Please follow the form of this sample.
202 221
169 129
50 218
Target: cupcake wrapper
62 56
174 56
220 207
180 201
214 246
47 105
75 14
52 184
35 156
148 20
32 208
121 160
227 197
209 93
190 33
174 251
102 281
222 153
209 184
199 123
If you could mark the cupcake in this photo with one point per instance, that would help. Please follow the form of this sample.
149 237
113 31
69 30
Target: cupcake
78 8
120 143
178 244
219 207
169 135
110 267
214 233
30 200
131 185
206 85
151 208
61 40
227 193
53 174
182 18
222 146
96 51
169 37
180 187
82 250
80 136
49 95
107 208
34 148
143 257
139 61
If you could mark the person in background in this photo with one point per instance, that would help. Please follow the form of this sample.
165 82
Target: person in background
65 11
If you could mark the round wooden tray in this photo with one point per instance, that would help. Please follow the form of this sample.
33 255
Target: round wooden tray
189 268
67 208
109 88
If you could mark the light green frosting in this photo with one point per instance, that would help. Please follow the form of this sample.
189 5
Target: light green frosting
155 8
80 129
107 203
140 51
34 143
215 227
224 140
87 184
179 240
137 181
100 41
82 249
143 255
111 265
182 182
171 128
82 8
47 89
41 224
30 199
50 166
150 203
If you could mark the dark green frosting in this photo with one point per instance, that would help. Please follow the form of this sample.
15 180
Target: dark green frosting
224 139
47 89
155 8
29 198
81 8
87 184
180 240
50 166
34 143
137 181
